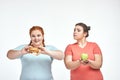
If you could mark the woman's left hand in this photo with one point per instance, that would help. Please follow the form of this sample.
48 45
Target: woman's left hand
84 62
43 50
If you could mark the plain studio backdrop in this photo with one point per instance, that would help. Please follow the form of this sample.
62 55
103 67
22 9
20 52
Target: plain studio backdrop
58 18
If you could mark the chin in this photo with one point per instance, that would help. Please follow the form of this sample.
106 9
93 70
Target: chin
75 38
37 45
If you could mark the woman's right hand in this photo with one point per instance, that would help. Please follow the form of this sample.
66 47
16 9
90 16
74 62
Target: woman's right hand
25 50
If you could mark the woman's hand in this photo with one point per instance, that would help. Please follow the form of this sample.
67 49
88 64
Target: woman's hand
43 50
84 61
25 50
57 54
13 54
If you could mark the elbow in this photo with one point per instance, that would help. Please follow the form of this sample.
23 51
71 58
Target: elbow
67 67
61 56
97 66
9 55
11 58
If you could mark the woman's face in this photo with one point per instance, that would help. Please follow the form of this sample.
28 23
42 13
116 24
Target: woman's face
36 38
79 33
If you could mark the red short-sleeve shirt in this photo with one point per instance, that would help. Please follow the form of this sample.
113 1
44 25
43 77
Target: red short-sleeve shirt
84 72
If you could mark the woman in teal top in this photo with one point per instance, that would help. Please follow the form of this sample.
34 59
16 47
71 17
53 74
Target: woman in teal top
36 65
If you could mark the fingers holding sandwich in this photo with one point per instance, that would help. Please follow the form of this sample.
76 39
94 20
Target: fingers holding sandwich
34 50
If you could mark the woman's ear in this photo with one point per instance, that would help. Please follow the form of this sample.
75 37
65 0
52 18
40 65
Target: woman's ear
85 34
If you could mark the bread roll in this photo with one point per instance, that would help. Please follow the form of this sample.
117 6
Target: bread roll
34 50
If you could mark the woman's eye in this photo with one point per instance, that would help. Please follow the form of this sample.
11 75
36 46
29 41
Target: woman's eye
78 30
74 30
33 36
38 35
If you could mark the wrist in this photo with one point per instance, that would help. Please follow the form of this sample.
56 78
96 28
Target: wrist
20 52
48 52
80 60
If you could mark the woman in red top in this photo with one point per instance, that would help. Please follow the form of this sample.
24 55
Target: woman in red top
83 69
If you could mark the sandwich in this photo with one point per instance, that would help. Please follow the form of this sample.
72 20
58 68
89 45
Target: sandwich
34 50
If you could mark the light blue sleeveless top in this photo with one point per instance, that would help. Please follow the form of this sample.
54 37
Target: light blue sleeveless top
36 67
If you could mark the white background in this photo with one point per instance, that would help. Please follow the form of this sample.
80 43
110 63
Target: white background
58 18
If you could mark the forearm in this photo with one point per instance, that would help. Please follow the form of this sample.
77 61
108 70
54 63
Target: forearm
94 64
56 54
13 54
72 64
97 63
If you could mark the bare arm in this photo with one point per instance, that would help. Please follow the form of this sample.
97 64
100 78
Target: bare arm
97 63
71 64
57 54
75 64
13 54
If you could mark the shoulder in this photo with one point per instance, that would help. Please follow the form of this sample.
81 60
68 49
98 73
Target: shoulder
20 46
94 44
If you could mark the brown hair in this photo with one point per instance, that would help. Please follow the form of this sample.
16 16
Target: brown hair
85 27
37 28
